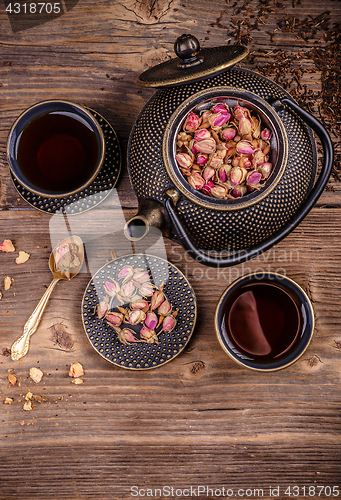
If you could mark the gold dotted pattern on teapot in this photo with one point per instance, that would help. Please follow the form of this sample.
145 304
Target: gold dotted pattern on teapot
211 229
141 356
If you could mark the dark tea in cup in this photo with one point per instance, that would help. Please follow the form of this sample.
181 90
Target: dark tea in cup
264 321
55 148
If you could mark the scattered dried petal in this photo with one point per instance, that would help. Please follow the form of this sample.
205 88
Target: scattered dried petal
7 246
7 282
36 375
8 401
12 379
76 370
77 381
23 257
29 396
27 406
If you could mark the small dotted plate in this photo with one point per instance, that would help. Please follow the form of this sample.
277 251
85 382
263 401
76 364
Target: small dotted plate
95 193
140 356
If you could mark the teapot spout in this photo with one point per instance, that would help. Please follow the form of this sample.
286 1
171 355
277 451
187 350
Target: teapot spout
151 214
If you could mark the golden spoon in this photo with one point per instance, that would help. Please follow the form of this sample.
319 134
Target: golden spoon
20 347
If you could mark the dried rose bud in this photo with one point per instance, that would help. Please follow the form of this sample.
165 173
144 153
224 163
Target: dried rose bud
168 324
138 304
196 180
146 290
239 111
102 308
253 178
244 147
165 308
237 175
208 188
220 108
201 135
192 122
238 191
215 161
205 114
125 336
128 289
265 169
260 144
141 277
115 318
207 146
244 162
112 288
245 125
228 133
157 299
136 316
217 120
223 172
202 159
126 272
146 333
258 159
265 134
184 160
219 192
208 173
151 320
7 246
255 127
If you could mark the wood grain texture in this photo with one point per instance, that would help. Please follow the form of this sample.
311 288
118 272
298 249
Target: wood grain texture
201 419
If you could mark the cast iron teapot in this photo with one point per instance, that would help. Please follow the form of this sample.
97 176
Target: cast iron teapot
221 232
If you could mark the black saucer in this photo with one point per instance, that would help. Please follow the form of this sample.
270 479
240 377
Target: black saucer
96 192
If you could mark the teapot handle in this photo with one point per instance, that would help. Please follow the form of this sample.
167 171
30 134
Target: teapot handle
240 256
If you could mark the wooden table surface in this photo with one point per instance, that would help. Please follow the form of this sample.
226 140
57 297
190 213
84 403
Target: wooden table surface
199 420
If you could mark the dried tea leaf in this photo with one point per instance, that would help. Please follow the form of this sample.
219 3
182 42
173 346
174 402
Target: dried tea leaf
8 401
77 381
7 246
23 257
36 375
12 379
6 352
28 396
7 282
76 370
27 406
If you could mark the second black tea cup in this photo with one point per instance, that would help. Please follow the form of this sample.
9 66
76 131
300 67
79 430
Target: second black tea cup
264 321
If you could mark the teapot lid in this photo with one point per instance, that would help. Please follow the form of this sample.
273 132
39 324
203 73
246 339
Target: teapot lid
192 63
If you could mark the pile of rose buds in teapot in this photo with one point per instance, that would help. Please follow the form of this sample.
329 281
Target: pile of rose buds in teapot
224 152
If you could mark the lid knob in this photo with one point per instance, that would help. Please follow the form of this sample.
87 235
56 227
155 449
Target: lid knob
186 48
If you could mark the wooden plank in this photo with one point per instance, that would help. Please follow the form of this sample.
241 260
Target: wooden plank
201 419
